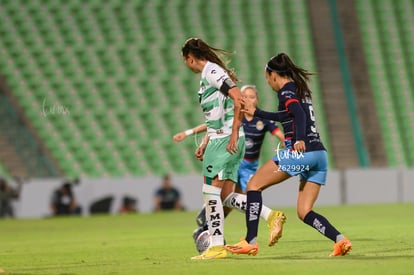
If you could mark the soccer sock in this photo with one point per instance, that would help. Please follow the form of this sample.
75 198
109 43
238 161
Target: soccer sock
214 214
321 224
254 206
236 200
239 201
201 217
265 212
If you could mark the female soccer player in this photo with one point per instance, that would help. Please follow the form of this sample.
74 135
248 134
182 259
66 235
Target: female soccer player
223 146
254 130
307 158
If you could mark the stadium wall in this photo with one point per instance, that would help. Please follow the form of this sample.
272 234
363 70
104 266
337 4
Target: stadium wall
352 186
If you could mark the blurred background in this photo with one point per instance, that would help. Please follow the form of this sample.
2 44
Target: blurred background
96 89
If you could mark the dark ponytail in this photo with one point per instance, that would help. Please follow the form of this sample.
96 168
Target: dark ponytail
284 66
201 50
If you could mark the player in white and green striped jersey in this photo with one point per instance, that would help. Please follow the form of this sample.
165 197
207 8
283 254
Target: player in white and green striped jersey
223 147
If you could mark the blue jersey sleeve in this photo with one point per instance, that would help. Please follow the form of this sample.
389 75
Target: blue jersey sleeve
275 116
271 126
292 104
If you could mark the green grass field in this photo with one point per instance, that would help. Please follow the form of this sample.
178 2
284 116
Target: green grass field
382 237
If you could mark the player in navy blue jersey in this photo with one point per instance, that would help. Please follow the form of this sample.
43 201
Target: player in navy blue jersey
254 130
306 157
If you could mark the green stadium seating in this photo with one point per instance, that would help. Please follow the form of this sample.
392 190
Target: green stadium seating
116 67
99 65
3 172
386 41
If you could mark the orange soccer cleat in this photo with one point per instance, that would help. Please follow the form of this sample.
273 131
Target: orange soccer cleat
243 247
341 248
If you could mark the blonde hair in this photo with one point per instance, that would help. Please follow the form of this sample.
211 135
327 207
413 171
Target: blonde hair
249 86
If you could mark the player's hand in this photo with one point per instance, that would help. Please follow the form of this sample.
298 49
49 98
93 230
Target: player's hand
179 137
199 152
299 146
248 107
232 147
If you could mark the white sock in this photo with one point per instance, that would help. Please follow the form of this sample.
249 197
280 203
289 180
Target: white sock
214 214
265 212
238 201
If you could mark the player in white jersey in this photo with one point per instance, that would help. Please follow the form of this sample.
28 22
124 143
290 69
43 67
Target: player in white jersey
223 146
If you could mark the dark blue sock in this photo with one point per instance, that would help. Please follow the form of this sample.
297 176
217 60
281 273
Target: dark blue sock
321 224
253 209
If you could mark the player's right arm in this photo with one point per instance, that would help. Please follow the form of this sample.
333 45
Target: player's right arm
182 135
250 109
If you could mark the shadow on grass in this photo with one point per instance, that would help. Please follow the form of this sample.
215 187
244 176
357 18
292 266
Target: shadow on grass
362 252
303 258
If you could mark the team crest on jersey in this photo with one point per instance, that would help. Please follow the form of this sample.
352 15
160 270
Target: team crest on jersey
259 125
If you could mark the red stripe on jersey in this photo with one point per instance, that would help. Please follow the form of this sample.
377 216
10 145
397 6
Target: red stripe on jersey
290 101
276 131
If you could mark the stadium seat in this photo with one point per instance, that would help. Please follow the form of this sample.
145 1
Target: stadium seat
117 68
384 39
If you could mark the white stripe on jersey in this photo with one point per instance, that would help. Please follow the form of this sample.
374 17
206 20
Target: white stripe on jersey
218 109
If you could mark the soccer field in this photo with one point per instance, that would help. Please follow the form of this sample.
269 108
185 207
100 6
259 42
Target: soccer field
382 237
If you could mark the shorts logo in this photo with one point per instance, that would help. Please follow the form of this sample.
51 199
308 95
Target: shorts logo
209 168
